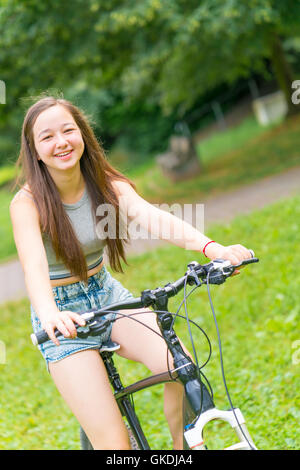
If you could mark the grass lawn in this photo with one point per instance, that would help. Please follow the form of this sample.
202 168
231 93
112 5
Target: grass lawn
258 317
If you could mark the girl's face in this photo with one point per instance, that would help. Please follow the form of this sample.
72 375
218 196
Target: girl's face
57 138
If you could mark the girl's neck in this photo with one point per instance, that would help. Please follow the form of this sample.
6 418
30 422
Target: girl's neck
70 187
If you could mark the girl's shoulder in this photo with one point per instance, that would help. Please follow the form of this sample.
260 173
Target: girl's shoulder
23 194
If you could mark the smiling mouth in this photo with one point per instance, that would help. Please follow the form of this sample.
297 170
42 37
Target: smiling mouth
63 154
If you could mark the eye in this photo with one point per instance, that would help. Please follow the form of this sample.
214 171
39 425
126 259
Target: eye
47 137
69 130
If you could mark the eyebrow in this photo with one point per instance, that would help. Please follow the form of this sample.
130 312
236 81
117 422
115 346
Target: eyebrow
49 130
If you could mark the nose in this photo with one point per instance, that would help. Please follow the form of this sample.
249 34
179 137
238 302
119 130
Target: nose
61 141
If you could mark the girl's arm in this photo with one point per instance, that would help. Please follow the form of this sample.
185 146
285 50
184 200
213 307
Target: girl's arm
164 225
32 255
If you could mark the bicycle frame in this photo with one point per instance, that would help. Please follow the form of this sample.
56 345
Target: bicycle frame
198 400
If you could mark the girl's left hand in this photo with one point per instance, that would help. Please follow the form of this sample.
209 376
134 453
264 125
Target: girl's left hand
234 253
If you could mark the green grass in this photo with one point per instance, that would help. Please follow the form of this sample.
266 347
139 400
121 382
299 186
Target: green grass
239 156
258 317
232 139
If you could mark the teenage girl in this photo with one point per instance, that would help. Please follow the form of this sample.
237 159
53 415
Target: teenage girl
66 181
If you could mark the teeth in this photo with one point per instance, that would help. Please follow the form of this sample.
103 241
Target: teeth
62 154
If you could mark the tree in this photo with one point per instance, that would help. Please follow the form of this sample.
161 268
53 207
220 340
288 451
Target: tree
168 53
181 49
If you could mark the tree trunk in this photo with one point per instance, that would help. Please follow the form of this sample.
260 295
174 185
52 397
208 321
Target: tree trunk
283 72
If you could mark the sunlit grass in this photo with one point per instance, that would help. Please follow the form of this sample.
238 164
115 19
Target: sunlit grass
258 317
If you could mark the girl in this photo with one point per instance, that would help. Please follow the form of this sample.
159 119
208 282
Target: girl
66 181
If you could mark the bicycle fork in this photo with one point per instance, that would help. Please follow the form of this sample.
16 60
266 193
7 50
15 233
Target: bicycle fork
198 397
193 433
202 406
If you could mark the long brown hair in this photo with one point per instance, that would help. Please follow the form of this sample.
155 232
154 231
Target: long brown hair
98 175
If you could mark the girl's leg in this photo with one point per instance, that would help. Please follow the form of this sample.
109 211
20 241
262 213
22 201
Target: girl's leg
82 380
140 344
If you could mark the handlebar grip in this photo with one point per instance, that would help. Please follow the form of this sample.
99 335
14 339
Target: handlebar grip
41 336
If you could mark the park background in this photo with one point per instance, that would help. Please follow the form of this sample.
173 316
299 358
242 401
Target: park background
221 76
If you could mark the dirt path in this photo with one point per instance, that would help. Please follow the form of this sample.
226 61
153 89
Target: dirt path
223 207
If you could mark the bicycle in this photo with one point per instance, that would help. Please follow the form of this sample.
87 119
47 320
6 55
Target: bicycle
198 405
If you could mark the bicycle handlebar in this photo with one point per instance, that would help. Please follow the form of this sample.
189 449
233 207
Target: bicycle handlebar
215 272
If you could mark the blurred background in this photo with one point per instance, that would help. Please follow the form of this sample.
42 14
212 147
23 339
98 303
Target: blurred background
196 101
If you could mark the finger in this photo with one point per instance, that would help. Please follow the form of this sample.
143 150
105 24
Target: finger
70 326
241 252
60 325
247 253
233 258
236 272
77 318
50 332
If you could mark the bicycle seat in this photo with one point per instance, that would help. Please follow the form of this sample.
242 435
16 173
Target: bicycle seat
109 346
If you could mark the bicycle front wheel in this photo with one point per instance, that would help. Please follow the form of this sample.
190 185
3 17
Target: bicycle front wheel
84 440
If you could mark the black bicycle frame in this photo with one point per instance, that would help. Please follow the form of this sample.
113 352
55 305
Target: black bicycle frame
122 397
195 390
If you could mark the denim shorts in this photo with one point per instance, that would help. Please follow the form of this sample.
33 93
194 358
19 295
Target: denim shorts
102 289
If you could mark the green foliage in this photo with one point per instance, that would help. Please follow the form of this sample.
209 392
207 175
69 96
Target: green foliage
7 174
136 60
258 317
7 245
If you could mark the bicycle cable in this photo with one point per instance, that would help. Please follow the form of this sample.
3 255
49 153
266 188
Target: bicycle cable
130 316
199 371
191 321
187 319
222 364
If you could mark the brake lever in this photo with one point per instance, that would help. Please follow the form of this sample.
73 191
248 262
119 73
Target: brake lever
246 261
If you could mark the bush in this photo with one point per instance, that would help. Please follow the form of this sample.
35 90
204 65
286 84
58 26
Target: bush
7 175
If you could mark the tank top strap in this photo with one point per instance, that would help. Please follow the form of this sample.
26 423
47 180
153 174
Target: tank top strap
22 191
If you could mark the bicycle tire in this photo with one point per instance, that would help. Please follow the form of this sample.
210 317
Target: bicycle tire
86 444
133 442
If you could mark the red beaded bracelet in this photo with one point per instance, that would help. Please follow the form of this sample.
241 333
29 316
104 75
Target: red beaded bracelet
212 241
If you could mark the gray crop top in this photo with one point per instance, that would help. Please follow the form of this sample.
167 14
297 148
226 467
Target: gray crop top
81 217
82 220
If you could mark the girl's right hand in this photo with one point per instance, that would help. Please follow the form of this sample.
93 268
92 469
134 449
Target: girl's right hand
62 321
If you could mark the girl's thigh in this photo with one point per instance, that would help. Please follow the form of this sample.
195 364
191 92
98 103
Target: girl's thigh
82 380
140 339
